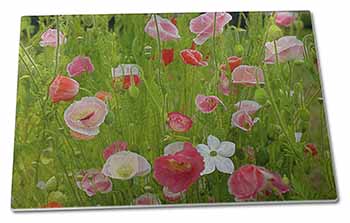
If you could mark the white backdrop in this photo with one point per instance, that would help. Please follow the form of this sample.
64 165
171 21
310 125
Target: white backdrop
333 36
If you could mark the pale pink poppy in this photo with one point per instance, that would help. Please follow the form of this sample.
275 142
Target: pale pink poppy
128 74
49 38
93 181
224 84
247 75
79 65
179 171
242 120
288 48
285 18
125 165
207 104
250 180
251 107
117 146
203 25
193 57
167 30
85 116
179 122
147 199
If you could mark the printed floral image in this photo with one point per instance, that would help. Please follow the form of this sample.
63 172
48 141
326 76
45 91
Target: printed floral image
136 110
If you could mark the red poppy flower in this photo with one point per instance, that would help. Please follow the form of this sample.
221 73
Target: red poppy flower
233 62
53 204
63 89
192 57
179 122
103 95
311 148
167 56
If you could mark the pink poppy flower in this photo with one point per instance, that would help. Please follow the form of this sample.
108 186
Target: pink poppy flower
179 171
170 196
285 18
147 199
207 104
242 120
49 38
117 146
85 116
249 180
93 181
224 84
233 62
247 75
246 182
288 48
79 136
193 57
63 89
203 25
179 122
251 107
79 65
129 74
125 165
167 30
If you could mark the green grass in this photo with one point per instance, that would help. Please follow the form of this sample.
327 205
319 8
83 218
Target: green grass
44 147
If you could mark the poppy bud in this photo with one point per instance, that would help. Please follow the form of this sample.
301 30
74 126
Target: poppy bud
299 25
260 96
51 184
239 50
304 114
274 33
147 51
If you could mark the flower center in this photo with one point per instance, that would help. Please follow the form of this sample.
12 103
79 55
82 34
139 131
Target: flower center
124 171
179 166
213 153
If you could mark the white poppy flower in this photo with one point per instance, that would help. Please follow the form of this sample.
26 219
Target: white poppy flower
217 155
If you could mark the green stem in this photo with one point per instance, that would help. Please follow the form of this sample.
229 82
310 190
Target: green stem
57 45
30 59
159 48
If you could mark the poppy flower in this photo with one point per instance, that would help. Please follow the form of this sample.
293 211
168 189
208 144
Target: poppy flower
79 136
79 65
93 181
288 48
127 73
63 89
167 30
251 107
311 148
217 155
53 204
125 165
167 56
247 75
249 180
103 95
193 57
207 104
147 199
203 25
179 122
242 120
85 116
179 171
49 38
285 18
117 146
233 62
224 84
